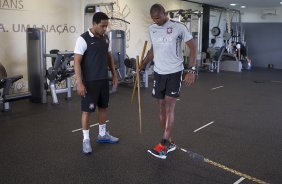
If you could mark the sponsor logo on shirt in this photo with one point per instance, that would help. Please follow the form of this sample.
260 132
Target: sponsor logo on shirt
162 40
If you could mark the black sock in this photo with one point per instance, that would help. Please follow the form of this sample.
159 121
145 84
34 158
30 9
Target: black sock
165 142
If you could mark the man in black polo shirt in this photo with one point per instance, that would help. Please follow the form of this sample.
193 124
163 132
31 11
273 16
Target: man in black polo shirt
91 61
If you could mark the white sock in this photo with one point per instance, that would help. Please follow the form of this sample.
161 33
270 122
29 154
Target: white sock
85 134
102 129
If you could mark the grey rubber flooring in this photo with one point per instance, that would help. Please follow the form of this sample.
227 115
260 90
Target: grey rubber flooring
37 144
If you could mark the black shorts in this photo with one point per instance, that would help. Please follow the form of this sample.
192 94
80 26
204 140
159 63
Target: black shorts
167 85
97 95
243 53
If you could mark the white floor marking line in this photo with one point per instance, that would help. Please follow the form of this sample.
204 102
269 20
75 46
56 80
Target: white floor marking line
183 150
107 121
203 126
277 81
81 128
178 99
94 125
217 87
239 181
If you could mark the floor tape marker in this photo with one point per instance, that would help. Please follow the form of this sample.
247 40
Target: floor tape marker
217 87
239 181
203 126
198 157
277 81
107 121
81 128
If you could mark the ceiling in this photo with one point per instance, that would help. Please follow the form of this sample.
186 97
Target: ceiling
239 3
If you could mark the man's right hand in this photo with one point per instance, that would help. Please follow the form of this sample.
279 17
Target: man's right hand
81 90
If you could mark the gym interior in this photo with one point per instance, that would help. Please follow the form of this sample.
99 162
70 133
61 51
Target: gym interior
227 124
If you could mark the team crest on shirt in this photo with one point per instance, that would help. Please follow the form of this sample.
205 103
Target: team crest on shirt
169 30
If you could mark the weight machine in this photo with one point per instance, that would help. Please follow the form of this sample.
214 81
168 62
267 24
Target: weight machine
6 83
61 70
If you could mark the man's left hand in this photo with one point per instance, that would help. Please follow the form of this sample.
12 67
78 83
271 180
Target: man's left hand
189 79
115 81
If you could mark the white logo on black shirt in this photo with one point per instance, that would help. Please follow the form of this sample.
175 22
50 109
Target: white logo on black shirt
91 106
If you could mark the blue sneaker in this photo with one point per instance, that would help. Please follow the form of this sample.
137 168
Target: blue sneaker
86 147
107 138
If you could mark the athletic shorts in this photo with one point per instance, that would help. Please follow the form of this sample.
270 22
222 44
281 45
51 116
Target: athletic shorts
243 52
167 85
97 95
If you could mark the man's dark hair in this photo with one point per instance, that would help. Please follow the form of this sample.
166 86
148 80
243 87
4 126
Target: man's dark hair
157 8
97 17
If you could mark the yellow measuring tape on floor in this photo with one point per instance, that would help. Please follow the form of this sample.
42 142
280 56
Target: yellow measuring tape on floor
196 156
234 171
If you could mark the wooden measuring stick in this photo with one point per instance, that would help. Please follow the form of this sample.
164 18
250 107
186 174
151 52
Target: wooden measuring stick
138 91
139 65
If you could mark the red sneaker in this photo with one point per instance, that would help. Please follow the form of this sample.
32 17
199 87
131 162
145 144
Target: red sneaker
159 151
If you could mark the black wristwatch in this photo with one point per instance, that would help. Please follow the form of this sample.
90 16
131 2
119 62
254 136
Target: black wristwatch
192 70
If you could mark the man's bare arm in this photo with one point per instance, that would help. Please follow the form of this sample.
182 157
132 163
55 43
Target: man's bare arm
193 52
77 69
111 65
149 57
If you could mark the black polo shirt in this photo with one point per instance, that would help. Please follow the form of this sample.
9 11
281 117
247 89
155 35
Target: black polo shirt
94 63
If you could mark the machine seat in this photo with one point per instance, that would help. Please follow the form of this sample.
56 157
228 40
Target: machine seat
15 97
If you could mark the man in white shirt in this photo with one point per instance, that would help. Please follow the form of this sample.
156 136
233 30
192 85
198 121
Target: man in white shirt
166 50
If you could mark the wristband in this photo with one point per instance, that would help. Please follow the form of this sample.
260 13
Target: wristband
191 71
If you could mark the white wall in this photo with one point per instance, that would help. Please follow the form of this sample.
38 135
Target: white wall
256 15
60 18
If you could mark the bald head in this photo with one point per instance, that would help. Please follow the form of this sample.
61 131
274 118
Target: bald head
157 8
158 14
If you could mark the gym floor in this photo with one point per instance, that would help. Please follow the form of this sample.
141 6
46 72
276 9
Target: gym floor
230 118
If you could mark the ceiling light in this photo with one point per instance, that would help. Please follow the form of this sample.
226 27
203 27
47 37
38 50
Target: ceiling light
243 6
232 4
280 2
